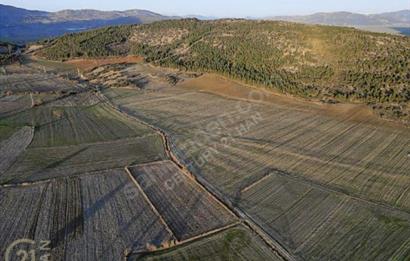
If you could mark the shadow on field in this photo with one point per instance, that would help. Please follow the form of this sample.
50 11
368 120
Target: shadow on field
70 228
48 167
57 163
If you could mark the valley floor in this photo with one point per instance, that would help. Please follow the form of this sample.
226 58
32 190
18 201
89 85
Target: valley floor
149 163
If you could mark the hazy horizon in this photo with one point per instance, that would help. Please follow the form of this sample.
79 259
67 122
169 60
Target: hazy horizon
229 8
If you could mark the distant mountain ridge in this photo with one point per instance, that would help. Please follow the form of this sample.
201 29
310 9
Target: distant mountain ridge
399 19
19 25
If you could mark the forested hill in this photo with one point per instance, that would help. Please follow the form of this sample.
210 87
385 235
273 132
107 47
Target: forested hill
331 63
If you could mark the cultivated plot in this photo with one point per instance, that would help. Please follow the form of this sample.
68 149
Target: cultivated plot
83 98
61 126
101 216
35 82
11 148
356 170
37 164
187 208
236 243
317 223
13 104
233 148
6 132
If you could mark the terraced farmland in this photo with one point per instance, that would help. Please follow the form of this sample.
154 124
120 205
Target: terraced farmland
98 216
188 209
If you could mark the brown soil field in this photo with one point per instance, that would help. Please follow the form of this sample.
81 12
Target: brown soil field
89 64
229 88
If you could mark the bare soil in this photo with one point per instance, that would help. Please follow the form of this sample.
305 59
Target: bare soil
89 64
228 88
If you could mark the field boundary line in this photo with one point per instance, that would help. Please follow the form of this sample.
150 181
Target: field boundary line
189 240
193 179
256 183
149 163
95 143
25 184
73 176
272 243
317 159
332 189
32 100
210 232
171 155
151 204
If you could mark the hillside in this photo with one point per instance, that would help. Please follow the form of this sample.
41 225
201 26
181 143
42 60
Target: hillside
320 62
17 24
390 22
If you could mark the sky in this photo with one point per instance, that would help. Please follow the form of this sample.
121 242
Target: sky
220 8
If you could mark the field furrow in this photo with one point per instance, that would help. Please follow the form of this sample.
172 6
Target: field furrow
92 217
11 148
187 209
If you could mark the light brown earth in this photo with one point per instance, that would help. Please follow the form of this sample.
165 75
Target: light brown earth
89 64
229 88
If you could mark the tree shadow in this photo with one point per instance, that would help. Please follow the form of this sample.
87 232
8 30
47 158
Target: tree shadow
69 230
46 168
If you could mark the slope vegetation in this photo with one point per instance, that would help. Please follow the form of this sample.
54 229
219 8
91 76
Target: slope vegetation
328 63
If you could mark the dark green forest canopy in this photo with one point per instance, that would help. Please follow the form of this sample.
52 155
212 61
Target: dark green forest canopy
306 60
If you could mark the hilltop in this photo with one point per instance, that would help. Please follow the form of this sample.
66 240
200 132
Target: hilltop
317 62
